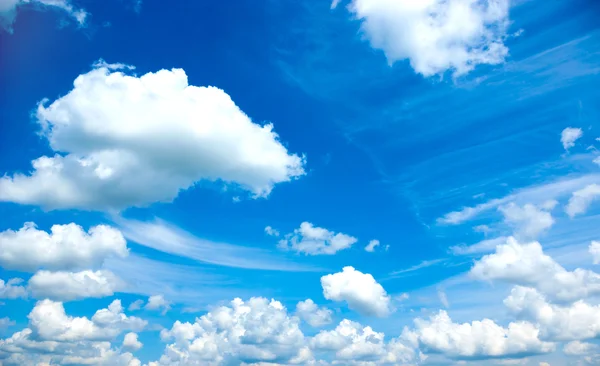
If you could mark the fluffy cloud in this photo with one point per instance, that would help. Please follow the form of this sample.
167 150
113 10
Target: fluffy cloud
576 321
528 221
372 245
581 200
312 240
66 247
48 321
11 289
130 141
5 323
158 302
67 286
359 290
271 232
308 311
136 305
53 337
436 35
258 330
351 341
477 339
527 265
131 342
594 250
8 10
577 348
569 135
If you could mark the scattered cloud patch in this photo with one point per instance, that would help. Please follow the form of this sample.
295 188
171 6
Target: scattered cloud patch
372 245
121 140
311 240
8 10
569 135
11 289
65 247
271 232
68 286
158 302
436 36
528 221
594 250
581 200
359 290
311 313
131 342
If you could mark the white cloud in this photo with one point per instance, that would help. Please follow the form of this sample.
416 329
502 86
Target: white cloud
351 341
596 160
576 321
443 298
131 342
53 337
536 194
130 141
527 265
158 302
5 323
528 221
569 135
477 339
359 290
308 311
271 232
136 305
577 348
594 250
258 330
68 286
66 247
372 245
48 321
165 237
312 240
582 199
8 10
11 289
436 35
483 246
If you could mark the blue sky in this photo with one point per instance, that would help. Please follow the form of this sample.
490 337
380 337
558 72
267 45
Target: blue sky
166 159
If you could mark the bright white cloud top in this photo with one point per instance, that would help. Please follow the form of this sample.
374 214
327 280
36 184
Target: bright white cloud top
123 140
311 240
569 135
436 36
65 247
69 286
359 290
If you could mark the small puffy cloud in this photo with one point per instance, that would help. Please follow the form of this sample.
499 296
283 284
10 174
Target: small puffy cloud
351 342
581 200
68 286
359 290
528 221
251 332
596 161
8 10
594 250
5 323
158 302
569 135
478 339
527 265
65 247
131 342
271 232
577 348
136 305
11 289
372 245
308 311
123 140
436 36
311 240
